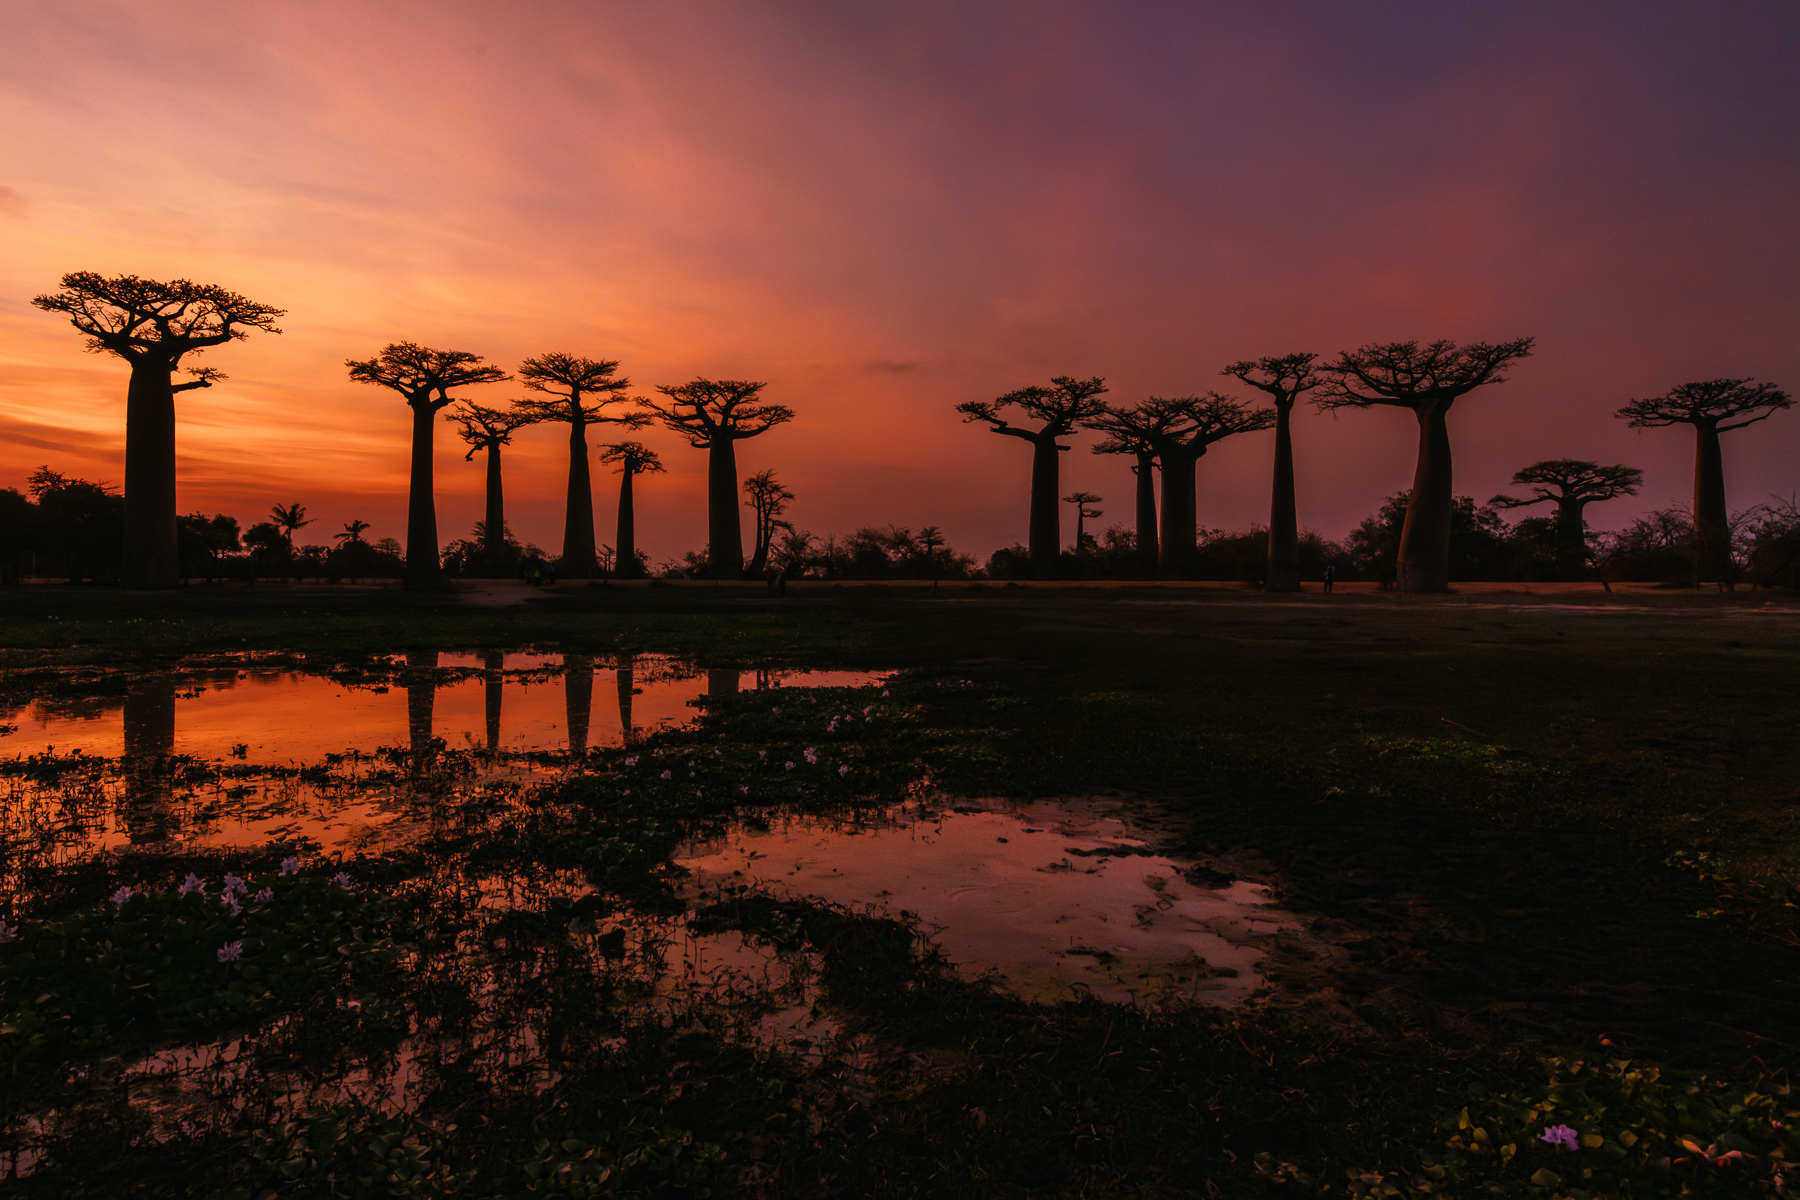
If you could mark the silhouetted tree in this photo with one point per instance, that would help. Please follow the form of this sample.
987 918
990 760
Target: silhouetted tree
1063 406
634 459
1140 432
493 667
1427 381
424 376
80 520
715 415
288 518
204 542
1285 379
1712 407
489 429
767 500
1206 419
573 381
153 326
1081 500
1571 485
1477 543
578 699
18 530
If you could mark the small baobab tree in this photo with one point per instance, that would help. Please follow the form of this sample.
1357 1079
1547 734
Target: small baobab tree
153 326
1571 485
1083 513
578 391
766 498
1201 421
634 459
424 377
1426 380
1285 379
1141 432
1712 407
1067 404
715 415
488 429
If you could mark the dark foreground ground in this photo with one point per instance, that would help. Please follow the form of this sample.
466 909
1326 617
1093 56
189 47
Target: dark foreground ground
1545 846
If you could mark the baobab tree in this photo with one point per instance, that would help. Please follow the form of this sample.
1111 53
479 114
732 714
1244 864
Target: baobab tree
1203 420
715 415
1062 407
1571 485
1285 379
489 429
1427 380
767 499
572 382
634 459
1140 432
1081 500
424 376
152 326
1712 407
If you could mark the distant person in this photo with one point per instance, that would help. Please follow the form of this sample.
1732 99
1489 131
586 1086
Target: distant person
771 578
548 577
1330 576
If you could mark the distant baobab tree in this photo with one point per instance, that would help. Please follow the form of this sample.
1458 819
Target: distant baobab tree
1062 407
1140 432
1712 407
766 499
289 518
1081 500
634 459
715 415
153 325
489 429
1427 380
571 382
1206 419
1571 485
424 376
1285 379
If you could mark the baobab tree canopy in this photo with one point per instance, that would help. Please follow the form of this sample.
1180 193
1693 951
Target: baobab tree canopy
152 325
714 415
489 429
1571 485
570 381
1140 432
1428 380
1199 422
634 459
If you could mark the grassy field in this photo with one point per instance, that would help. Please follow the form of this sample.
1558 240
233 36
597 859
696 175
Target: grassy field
1556 827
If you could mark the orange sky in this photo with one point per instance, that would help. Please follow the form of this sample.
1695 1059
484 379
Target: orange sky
886 209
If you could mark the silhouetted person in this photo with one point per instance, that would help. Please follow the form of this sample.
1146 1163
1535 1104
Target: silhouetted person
1712 407
1285 379
1061 407
424 377
626 675
1427 380
715 415
489 429
578 695
493 664
153 326
149 728
634 459
1330 577
1571 485
421 698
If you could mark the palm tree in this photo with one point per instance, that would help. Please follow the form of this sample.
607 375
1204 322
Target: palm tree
352 533
288 518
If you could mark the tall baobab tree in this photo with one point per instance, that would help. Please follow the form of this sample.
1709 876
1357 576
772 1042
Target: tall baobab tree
766 498
424 377
290 519
634 459
489 429
1285 379
1571 485
1712 407
715 415
1427 380
1140 432
1081 500
152 326
1204 420
571 382
1063 406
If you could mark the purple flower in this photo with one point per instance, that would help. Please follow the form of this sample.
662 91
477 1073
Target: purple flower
843 771
230 901
744 788
290 866
231 952
832 728
193 883
342 879
8 932
668 774
657 753
121 896
1561 1135
812 756
266 895
234 884
632 761
777 708
884 691
790 766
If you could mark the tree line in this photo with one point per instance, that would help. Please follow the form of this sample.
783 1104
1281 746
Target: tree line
157 326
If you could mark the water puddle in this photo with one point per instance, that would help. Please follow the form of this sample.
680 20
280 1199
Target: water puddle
1054 898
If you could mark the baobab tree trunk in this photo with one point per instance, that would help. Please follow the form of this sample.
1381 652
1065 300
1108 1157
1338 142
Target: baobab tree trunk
1046 521
1712 532
625 545
149 558
1571 541
626 675
492 663
423 569
1425 537
578 519
1179 527
578 695
496 506
421 698
1146 513
725 536
1284 531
